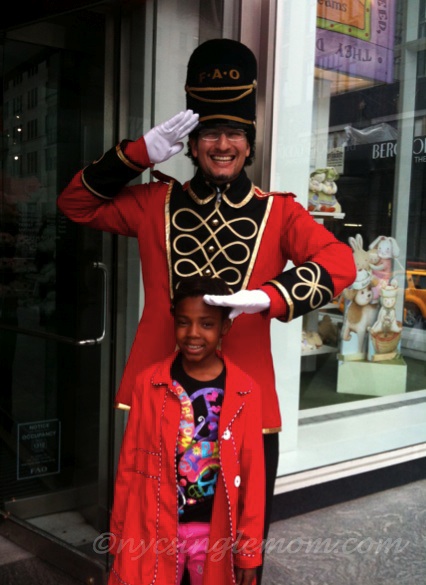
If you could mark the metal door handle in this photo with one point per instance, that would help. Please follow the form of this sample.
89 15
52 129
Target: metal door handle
63 338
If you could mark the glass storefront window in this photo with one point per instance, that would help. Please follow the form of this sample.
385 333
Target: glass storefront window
371 340
360 162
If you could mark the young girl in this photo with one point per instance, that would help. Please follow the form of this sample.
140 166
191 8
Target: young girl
189 489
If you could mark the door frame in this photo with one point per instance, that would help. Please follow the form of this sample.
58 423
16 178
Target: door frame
13 524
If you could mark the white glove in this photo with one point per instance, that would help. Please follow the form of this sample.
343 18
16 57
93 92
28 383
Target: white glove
164 141
243 301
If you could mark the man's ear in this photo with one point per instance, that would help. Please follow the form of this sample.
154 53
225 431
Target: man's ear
193 145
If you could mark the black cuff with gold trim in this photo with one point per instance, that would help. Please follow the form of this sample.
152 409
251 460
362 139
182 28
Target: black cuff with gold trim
106 176
304 288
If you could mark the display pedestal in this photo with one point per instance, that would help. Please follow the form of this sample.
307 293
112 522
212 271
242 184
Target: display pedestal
372 378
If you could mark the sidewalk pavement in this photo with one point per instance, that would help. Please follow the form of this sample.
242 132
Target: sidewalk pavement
378 539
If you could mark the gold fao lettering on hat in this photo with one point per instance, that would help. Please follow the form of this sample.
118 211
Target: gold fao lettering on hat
218 74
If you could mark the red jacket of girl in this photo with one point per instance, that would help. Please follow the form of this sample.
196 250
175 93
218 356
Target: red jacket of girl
145 512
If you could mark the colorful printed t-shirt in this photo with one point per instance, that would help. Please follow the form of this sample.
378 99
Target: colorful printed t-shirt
197 455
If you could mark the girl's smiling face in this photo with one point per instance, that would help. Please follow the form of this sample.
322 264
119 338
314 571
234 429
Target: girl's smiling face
198 329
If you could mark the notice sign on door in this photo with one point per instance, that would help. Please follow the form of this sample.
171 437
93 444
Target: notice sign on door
38 448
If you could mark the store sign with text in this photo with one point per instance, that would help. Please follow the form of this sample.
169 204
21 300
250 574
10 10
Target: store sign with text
356 37
390 149
379 156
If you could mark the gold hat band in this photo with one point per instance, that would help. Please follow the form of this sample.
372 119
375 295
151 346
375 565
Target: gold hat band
225 117
193 91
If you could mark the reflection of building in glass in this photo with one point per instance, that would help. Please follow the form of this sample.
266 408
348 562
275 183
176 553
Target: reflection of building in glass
29 179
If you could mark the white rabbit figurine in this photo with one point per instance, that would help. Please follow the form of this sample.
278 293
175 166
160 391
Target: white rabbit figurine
387 249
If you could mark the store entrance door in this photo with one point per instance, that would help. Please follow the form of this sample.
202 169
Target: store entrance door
55 281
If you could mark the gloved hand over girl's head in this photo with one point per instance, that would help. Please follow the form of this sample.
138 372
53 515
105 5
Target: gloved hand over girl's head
243 301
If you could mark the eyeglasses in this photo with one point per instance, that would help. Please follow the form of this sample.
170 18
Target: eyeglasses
214 135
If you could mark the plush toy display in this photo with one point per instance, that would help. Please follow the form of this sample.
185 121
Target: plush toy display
367 260
385 334
328 331
314 338
386 249
386 319
361 311
322 191
311 340
371 332
364 259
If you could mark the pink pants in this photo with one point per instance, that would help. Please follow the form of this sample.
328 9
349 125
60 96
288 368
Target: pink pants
193 542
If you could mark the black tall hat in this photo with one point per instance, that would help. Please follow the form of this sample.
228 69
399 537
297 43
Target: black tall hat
221 82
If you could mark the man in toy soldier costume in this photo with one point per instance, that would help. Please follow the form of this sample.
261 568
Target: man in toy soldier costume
218 223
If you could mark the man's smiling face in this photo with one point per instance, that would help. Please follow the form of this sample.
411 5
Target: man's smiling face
223 159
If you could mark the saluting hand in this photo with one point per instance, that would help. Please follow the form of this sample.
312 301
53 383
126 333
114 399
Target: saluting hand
164 141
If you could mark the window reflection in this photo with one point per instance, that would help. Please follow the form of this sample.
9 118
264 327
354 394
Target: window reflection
372 340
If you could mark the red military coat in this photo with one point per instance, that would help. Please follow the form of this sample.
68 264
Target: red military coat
99 198
145 512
